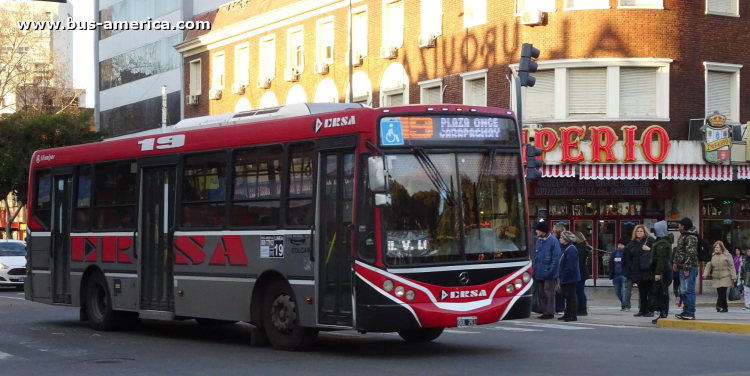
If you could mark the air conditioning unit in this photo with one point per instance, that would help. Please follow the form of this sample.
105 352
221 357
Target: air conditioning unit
532 17
291 74
191 100
320 68
388 52
356 59
238 88
214 94
427 40
264 83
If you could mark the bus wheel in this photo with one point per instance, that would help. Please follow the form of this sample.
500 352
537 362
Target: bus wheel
280 319
207 322
421 335
99 305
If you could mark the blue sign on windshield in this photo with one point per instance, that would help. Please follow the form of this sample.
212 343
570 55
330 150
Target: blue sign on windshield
391 132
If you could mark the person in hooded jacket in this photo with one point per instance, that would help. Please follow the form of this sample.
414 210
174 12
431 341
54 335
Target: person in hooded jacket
569 275
639 262
584 252
545 267
661 264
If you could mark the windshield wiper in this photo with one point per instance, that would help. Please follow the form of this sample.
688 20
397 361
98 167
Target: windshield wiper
433 174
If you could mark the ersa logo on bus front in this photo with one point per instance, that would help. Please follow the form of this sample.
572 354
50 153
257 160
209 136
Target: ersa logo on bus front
333 122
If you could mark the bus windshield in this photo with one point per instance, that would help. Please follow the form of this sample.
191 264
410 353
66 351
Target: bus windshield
454 207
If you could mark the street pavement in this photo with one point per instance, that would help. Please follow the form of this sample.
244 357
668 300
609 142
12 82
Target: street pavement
38 339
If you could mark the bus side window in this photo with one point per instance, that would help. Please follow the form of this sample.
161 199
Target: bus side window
43 201
365 215
114 206
257 187
203 190
82 212
299 197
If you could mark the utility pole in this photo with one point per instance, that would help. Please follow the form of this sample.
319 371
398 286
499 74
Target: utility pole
163 108
351 69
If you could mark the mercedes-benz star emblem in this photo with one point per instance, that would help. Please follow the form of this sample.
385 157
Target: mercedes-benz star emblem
463 278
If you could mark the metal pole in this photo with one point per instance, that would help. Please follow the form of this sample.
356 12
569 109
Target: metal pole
97 118
164 108
351 69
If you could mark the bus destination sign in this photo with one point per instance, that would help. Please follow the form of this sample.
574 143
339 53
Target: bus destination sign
414 130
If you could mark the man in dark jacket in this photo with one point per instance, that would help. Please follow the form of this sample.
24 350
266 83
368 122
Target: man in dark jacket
686 262
584 252
618 271
545 264
660 265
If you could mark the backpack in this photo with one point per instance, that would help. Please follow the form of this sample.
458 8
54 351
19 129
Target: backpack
704 250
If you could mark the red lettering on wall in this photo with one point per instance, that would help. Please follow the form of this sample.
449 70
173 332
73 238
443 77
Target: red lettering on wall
602 141
545 139
123 243
570 137
191 247
109 248
628 136
229 248
662 144
76 251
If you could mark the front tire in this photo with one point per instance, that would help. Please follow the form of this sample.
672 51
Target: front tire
421 335
281 319
99 305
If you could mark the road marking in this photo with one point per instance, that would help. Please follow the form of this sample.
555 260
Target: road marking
552 326
11 297
459 331
4 356
510 329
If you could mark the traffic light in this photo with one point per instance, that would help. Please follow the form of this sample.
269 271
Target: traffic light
528 51
532 163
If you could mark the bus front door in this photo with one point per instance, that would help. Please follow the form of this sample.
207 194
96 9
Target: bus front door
156 229
62 201
334 251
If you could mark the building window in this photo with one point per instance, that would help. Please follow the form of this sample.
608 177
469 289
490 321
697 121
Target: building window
23 50
257 187
295 43
535 5
359 31
195 77
475 88
600 89
393 23
432 17
325 40
475 12
431 91
217 72
723 90
268 57
586 4
723 7
203 190
6 50
650 4
242 64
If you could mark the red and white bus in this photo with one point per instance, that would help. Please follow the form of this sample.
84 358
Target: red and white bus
295 219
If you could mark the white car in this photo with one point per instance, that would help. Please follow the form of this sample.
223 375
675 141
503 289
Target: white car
12 263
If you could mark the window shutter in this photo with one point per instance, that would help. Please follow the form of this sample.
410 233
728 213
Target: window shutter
432 16
396 99
587 91
244 66
720 93
431 95
269 58
644 3
218 69
539 102
326 31
723 6
359 32
195 77
638 92
476 92
586 4
395 23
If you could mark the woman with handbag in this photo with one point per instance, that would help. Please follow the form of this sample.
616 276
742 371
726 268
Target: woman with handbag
721 270
569 275
639 261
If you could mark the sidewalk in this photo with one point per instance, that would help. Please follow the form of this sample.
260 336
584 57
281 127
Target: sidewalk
604 309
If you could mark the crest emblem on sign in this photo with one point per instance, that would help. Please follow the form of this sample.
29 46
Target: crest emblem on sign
717 139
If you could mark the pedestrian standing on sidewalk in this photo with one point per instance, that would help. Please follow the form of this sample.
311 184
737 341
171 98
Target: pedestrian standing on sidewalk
747 282
584 254
617 272
686 262
544 267
557 230
639 261
722 272
737 260
661 264
569 275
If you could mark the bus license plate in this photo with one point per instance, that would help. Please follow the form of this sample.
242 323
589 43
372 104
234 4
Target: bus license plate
467 321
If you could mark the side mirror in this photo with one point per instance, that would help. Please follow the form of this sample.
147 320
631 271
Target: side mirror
376 168
382 199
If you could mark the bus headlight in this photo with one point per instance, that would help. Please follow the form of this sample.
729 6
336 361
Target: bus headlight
509 288
388 285
519 284
400 291
526 277
410 295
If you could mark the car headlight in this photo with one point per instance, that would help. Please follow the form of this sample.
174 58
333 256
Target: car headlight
526 277
400 291
3 266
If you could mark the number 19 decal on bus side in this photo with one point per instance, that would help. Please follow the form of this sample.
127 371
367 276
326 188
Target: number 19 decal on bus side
166 142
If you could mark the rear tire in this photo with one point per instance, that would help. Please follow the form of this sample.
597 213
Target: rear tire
99 305
281 319
210 322
421 335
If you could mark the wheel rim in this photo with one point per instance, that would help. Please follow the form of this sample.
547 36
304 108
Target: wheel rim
283 313
99 301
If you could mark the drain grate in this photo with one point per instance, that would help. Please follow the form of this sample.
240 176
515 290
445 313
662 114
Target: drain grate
108 361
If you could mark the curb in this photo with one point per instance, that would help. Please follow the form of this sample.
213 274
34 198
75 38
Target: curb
712 326
709 304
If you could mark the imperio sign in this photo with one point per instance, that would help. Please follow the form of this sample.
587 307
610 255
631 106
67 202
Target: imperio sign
603 141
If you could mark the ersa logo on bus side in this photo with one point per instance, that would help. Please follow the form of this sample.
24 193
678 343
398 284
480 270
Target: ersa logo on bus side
333 122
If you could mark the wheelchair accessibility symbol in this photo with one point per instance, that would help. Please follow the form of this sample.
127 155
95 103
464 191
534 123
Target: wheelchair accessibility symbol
391 133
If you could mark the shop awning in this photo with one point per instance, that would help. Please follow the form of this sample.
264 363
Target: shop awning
697 172
620 171
559 171
743 172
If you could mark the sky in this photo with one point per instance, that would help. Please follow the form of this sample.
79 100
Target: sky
83 45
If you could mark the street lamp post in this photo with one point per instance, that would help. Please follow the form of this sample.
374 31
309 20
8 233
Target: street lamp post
351 70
